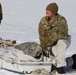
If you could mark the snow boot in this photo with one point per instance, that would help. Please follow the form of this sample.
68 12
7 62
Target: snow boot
60 70
53 67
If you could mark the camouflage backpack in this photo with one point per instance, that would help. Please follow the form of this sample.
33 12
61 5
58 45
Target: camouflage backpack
30 48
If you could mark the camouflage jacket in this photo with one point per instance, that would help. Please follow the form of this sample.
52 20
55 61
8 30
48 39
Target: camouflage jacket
1 15
51 32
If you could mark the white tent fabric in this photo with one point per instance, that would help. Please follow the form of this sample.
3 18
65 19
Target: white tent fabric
13 55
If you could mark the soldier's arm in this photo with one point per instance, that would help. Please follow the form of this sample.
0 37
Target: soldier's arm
41 32
63 30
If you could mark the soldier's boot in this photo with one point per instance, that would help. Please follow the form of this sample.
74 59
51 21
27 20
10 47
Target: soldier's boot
53 67
59 70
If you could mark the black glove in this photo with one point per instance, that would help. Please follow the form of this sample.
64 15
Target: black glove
50 51
45 52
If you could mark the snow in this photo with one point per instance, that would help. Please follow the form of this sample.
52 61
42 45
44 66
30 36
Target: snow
21 18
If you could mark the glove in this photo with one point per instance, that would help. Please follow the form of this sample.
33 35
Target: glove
45 53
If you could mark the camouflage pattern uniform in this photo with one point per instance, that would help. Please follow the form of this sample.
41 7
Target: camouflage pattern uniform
51 32
1 15
30 48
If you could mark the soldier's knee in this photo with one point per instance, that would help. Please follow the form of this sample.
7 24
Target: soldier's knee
60 42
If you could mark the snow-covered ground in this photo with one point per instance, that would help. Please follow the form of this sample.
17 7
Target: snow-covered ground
21 18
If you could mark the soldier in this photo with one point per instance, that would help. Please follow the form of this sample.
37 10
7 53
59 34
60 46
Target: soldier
1 15
53 33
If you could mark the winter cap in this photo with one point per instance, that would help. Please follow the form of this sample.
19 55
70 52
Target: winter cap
53 7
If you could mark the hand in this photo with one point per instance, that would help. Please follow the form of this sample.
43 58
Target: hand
45 53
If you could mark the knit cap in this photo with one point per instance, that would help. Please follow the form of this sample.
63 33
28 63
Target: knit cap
53 7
